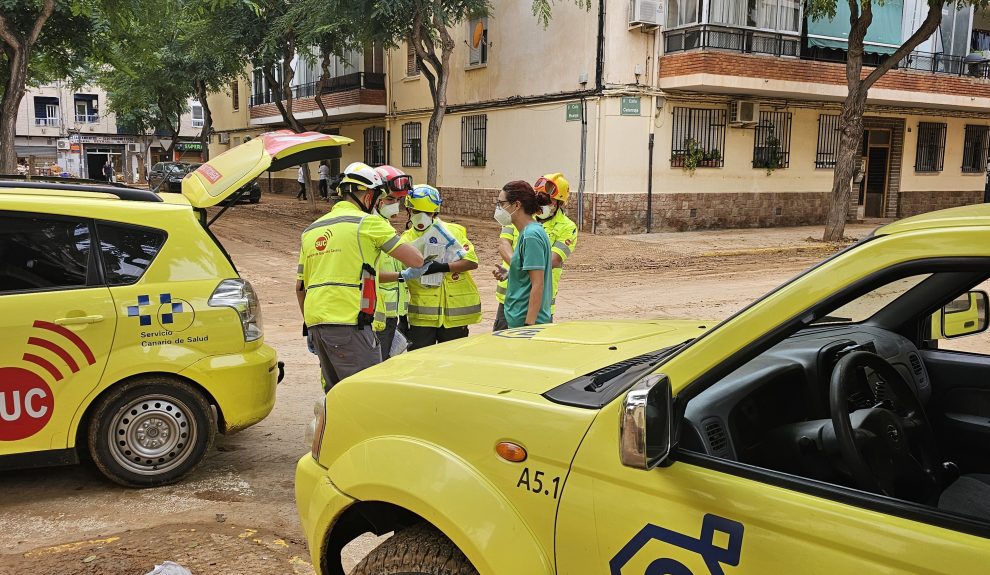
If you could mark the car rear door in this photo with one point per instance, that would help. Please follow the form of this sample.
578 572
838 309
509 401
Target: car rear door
58 322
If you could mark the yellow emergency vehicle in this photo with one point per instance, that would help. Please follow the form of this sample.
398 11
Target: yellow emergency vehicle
822 429
128 332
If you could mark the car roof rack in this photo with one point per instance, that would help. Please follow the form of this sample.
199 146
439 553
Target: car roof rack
78 185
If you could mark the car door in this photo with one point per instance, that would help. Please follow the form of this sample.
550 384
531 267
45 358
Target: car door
702 516
959 368
57 319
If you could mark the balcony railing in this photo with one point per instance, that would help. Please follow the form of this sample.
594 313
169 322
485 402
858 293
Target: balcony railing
87 118
776 44
345 83
46 121
731 39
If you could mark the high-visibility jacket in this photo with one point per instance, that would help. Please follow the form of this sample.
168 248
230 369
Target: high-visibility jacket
393 297
563 236
334 249
456 302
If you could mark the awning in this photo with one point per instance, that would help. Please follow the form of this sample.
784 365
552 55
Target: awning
25 151
882 37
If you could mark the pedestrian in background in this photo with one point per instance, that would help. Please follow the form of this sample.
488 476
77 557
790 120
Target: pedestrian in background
301 178
530 276
108 170
324 180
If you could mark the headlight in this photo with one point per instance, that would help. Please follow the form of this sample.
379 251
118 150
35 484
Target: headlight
238 294
314 433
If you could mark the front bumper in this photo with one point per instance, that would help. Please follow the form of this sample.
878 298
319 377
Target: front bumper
243 384
319 503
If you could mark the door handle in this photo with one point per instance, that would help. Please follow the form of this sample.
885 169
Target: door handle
79 319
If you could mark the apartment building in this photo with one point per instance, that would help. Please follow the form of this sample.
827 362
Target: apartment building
61 130
680 114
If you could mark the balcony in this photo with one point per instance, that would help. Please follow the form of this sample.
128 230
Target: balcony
746 41
87 118
47 122
766 64
351 96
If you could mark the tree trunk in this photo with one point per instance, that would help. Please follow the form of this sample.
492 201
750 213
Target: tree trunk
204 134
846 162
9 103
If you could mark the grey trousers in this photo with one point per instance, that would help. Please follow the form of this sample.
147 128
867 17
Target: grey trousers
344 350
500 319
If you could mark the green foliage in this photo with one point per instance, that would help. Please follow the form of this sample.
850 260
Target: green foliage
61 48
543 9
695 156
770 157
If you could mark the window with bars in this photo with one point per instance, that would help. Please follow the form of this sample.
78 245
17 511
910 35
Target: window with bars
474 131
976 145
698 138
412 64
772 143
828 140
412 142
374 146
930 154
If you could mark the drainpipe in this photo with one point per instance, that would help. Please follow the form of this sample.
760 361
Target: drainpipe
649 180
598 171
583 162
655 84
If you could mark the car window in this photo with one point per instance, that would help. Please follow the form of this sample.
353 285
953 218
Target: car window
127 251
38 253
863 307
172 168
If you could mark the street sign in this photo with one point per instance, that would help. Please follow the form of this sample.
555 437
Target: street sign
574 112
629 106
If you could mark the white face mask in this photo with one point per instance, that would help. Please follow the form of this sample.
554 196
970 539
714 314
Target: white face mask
389 210
503 216
546 212
422 221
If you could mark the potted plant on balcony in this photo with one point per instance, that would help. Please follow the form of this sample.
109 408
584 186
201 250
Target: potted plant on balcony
478 157
692 156
769 156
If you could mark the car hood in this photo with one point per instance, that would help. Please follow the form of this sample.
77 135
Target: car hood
535 359
216 180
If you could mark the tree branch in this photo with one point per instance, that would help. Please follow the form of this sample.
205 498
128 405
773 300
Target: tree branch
46 11
927 28
8 35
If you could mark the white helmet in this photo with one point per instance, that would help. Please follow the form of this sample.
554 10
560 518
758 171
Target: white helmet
362 175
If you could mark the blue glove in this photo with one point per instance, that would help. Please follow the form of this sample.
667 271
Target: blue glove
413 273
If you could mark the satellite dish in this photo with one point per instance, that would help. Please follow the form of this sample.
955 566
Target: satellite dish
479 33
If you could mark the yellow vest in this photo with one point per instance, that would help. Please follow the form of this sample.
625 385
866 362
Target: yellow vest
454 303
393 297
334 248
563 239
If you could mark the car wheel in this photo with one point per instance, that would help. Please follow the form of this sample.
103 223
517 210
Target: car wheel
150 432
255 200
418 550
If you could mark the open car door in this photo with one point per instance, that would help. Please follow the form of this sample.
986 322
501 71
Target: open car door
218 179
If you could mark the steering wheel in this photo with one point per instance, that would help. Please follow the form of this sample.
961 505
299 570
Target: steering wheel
888 448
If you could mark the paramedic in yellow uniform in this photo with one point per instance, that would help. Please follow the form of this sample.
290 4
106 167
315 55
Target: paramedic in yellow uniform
560 229
336 277
392 290
441 313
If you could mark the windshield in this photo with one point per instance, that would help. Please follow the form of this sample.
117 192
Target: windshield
863 307
174 168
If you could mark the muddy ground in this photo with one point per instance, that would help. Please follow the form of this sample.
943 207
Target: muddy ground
236 513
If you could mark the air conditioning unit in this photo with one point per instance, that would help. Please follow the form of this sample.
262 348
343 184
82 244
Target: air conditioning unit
223 138
62 145
645 12
135 148
744 112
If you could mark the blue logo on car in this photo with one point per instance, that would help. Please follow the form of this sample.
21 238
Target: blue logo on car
712 554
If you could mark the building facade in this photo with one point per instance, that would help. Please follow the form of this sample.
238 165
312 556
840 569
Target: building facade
682 114
66 131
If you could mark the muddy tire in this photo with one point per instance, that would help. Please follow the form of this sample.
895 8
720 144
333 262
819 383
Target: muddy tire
418 550
150 432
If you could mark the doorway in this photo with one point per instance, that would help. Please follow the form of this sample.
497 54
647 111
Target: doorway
876 167
96 157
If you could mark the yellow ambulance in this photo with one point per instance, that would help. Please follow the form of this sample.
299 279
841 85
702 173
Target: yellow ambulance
833 426
127 331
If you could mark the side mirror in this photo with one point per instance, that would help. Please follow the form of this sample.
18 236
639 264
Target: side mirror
965 315
646 426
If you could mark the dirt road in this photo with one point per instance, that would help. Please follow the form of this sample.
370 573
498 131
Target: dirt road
236 513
